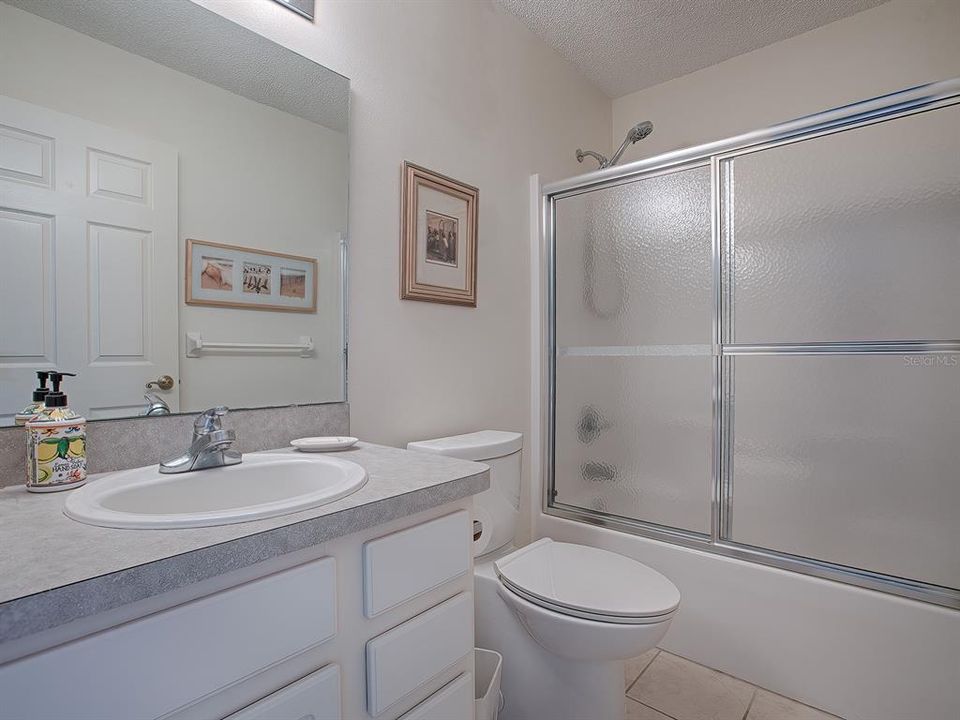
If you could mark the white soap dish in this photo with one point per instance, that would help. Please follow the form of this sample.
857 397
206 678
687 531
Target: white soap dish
323 444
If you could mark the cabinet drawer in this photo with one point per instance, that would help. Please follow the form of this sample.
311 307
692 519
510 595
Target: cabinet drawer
403 659
154 665
453 701
314 697
405 564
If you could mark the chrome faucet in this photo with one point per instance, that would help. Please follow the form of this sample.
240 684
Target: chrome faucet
211 446
155 405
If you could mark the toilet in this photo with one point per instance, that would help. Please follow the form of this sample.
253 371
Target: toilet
563 616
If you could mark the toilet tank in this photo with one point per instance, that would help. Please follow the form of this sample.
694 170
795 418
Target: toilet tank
497 510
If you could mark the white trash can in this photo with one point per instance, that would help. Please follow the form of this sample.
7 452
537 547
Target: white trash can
488 700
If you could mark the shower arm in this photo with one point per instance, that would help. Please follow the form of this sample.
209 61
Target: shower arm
581 154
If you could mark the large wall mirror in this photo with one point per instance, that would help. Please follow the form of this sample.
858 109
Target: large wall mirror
173 210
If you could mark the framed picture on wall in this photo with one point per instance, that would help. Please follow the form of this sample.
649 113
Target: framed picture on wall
438 243
239 277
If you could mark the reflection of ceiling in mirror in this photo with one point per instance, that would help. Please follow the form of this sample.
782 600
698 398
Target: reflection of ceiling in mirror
195 41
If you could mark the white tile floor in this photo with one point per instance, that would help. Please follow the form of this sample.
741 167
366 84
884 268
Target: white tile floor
661 686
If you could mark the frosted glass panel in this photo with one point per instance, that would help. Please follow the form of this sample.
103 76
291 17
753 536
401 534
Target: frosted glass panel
634 263
634 438
851 459
851 236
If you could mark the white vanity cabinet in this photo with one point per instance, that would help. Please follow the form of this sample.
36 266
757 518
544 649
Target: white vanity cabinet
377 624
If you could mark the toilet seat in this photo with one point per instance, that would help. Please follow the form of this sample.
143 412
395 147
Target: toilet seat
588 583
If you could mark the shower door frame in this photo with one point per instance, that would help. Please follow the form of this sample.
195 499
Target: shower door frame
716 156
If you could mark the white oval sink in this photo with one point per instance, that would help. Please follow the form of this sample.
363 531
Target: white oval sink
262 486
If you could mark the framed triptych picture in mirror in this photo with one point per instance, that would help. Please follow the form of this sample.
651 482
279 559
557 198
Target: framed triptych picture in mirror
239 277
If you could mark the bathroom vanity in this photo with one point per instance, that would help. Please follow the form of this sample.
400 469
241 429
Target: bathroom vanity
359 608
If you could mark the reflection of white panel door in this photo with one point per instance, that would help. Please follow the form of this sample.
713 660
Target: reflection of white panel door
88 260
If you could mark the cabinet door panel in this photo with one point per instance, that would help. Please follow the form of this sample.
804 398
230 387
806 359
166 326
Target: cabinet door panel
453 701
393 567
314 697
405 658
154 665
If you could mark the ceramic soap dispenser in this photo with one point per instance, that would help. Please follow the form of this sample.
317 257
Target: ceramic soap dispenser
57 446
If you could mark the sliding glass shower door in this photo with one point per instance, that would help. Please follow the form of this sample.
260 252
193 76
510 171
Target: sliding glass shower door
756 347
634 370
844 269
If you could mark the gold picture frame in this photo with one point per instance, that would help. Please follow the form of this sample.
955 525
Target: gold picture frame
438 239
234 276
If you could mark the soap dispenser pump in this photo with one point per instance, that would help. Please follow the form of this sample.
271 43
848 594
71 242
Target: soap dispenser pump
57 446
36 405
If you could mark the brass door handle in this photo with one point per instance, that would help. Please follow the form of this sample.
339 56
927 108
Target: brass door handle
164 382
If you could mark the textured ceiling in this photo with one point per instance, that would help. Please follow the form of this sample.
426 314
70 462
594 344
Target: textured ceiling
627 45
197 42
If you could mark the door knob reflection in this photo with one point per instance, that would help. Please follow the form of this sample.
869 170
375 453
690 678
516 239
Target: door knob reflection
164 382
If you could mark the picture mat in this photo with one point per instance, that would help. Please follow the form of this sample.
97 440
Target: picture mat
431 273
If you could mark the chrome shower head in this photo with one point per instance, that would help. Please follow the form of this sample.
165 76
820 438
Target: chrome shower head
640 131
635 134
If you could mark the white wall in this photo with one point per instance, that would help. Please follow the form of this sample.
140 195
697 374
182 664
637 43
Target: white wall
887 48
464 89
857 653
250 175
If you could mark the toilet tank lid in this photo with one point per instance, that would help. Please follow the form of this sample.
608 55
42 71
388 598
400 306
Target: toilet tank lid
483 445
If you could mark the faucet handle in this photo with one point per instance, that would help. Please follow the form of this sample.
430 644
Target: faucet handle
209 420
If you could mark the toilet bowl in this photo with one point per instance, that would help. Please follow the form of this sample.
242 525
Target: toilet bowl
584 603
564 640
563 616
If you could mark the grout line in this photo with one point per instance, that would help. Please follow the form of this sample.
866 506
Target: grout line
753 697
799 702
655 656
630 686
651 707
721 672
